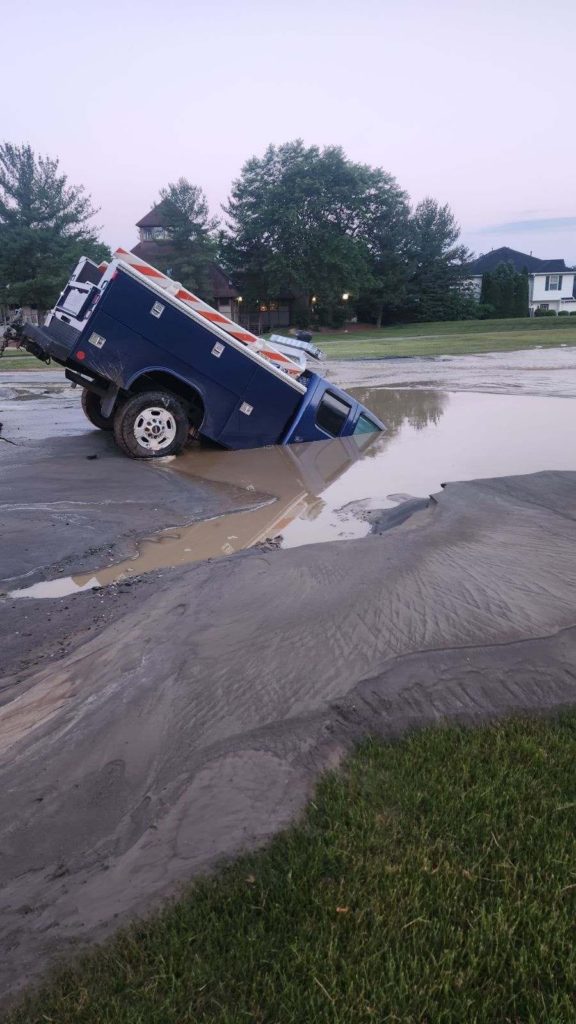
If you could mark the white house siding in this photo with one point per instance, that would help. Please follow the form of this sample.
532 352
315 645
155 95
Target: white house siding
556 300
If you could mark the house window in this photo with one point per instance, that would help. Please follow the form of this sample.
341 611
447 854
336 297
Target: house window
543 305
159 234
553 282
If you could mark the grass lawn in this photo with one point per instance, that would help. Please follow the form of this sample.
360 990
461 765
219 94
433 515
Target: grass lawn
432 339
433 880
454 338
18 359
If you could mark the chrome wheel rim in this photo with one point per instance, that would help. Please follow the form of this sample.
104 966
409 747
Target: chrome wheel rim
155 429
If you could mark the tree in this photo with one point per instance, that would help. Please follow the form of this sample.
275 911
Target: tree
310 222
505 278
192 243
522 294
489 296
385 229
505 291
44 227
435 260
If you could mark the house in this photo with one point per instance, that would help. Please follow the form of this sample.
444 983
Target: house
154 247
552 285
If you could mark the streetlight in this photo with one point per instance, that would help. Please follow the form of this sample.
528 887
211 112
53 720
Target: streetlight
345 296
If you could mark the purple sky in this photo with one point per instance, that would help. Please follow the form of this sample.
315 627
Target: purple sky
470 102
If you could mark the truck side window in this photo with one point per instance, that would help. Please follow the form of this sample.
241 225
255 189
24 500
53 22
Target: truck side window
332 414
365 426
75 301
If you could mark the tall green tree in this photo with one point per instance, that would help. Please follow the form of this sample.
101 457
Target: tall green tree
385 229
435 258
192 244
311 222
45 226
522 294
505 277
505 291
489 296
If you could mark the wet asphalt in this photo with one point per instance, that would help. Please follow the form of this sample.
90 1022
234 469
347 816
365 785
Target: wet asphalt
68 497
71 502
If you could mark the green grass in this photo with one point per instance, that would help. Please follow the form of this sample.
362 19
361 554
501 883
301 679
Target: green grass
18 359
448 338
432 339
431 881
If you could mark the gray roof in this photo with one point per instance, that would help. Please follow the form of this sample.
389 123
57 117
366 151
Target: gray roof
519 260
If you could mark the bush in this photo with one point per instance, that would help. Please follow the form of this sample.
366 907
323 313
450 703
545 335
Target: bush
563 312
301 314
544 312
485 311
332 316
573 312
340 315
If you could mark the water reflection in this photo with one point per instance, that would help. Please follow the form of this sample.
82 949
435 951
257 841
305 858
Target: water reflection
397 406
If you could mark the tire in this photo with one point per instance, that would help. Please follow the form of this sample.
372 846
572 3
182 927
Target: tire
151 425
92 411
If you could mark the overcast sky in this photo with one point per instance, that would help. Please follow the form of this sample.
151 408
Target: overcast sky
470 102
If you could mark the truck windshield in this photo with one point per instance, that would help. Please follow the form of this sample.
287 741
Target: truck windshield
365 425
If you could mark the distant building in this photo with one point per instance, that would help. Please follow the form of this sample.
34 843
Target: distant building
552 285
154 247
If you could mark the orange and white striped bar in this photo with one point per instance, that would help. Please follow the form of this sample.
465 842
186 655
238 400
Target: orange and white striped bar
175 289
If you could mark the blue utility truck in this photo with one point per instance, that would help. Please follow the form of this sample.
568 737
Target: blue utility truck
157 365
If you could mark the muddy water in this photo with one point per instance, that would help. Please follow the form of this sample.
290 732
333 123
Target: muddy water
321 491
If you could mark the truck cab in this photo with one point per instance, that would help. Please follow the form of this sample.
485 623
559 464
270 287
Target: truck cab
329 412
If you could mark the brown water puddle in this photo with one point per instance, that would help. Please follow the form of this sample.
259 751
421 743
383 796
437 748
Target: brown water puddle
321 491
294 477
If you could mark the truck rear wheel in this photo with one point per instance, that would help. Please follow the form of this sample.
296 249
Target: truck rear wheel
151 424
92 410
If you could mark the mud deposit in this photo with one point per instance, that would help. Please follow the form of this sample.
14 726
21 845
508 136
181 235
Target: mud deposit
195 725
532 372
167 720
